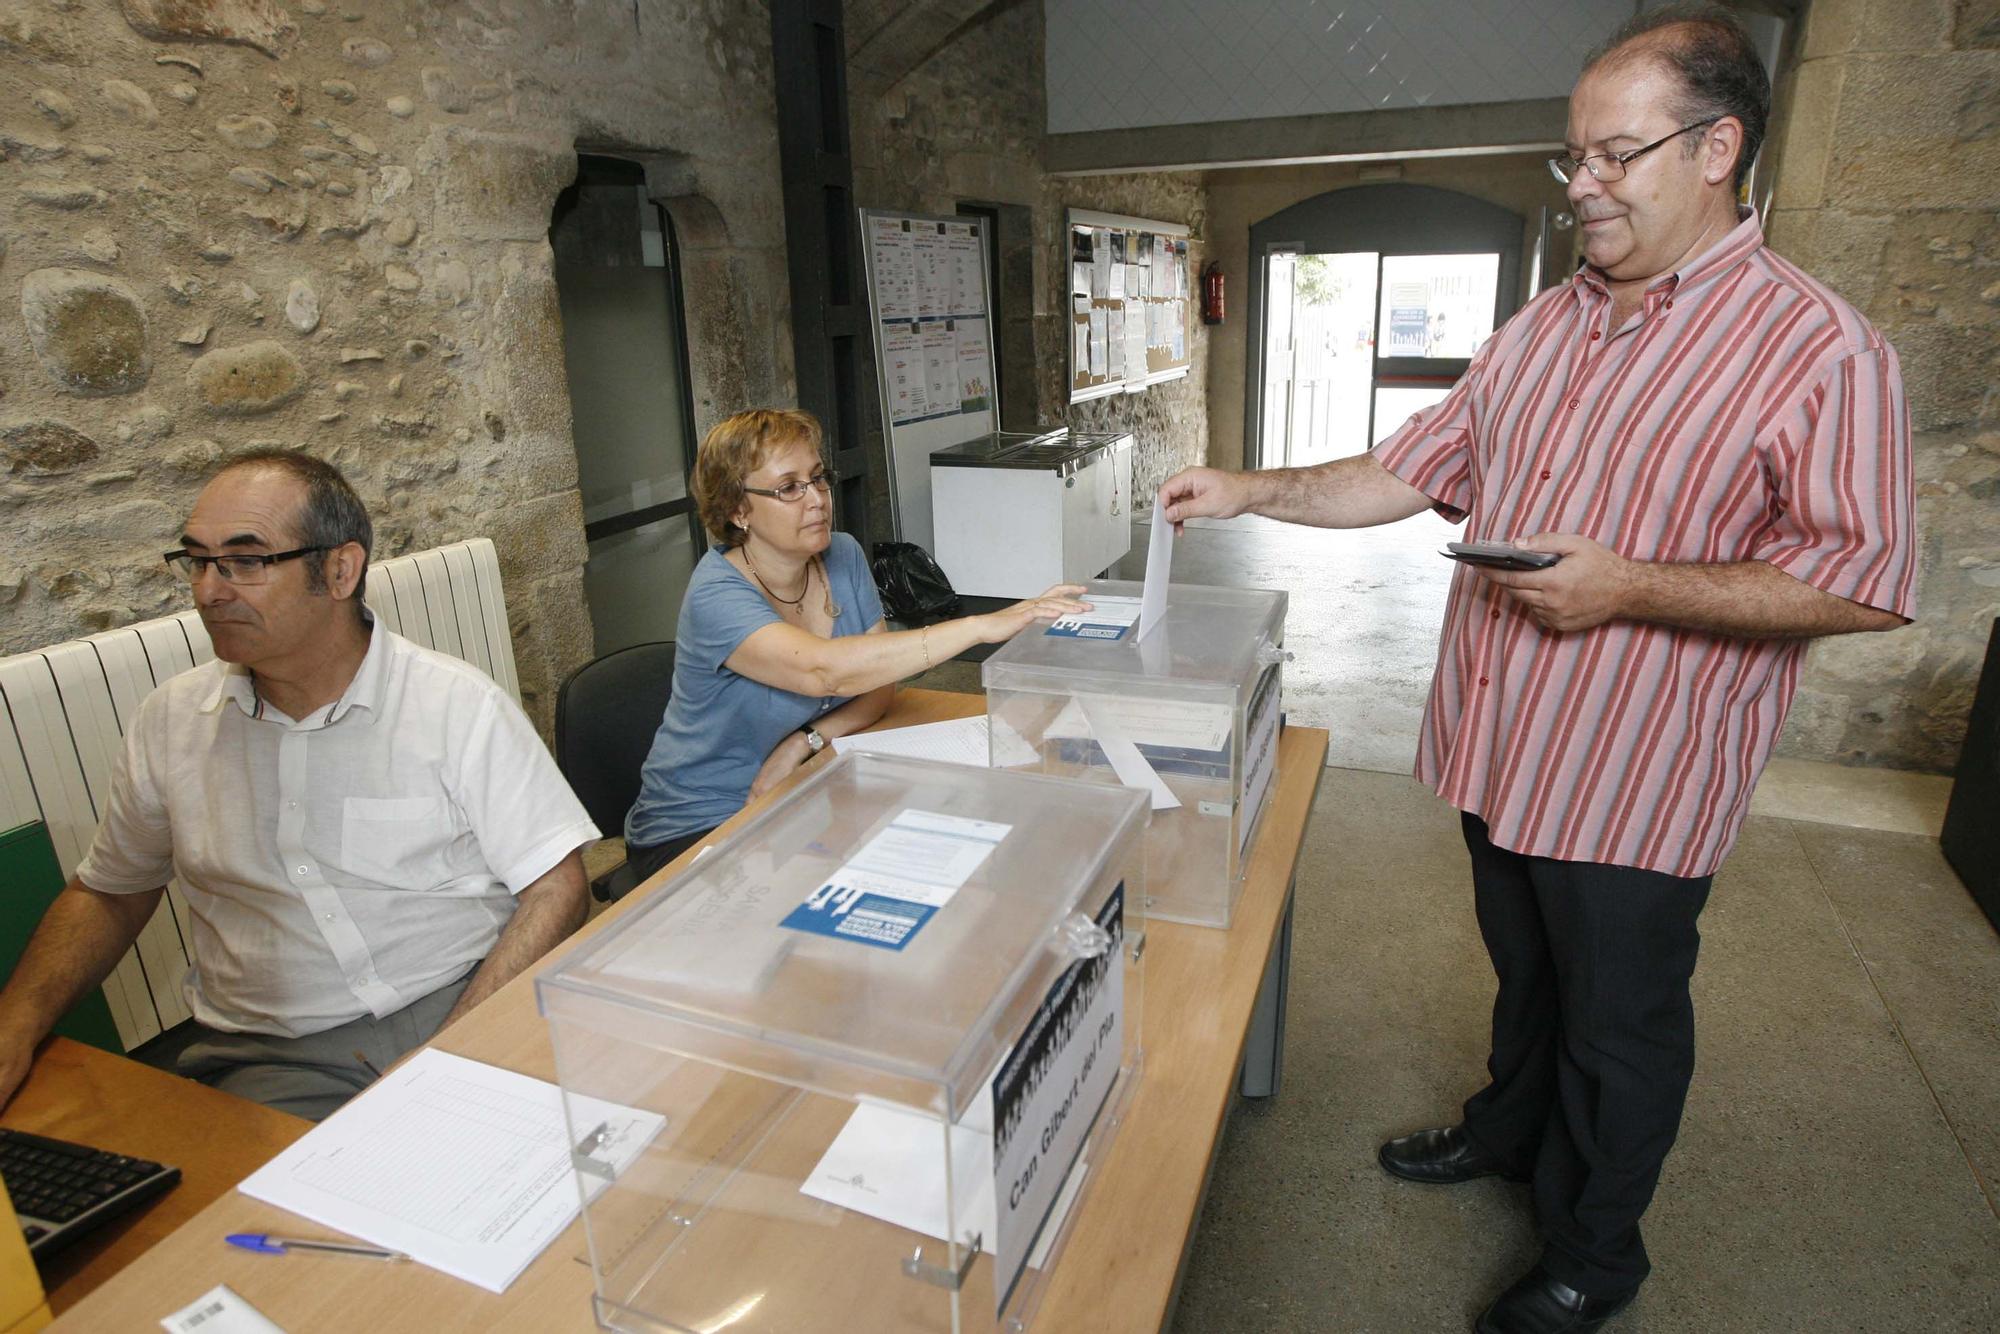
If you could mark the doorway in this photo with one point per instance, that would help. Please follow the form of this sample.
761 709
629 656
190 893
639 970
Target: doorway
617 271
1366 305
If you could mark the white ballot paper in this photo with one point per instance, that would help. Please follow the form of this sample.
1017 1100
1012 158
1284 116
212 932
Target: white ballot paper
881 1165
1126 761
885 1163
1159 562
464 1167
959 741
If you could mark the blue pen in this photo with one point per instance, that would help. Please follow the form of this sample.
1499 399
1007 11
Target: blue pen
266 1244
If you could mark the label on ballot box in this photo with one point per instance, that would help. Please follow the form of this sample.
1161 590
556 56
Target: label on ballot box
1108 618
899 880
1048 1093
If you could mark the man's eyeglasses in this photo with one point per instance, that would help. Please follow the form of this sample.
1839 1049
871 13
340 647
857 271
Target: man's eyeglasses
234 569
1611 166
794 491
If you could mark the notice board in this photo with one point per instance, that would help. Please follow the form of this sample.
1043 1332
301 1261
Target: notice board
933 330
1129 287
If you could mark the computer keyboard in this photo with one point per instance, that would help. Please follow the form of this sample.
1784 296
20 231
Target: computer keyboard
63 1191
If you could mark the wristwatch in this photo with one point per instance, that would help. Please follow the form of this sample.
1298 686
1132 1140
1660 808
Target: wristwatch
815 743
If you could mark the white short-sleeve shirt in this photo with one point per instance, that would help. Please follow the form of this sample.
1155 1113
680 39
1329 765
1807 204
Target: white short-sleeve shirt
345 864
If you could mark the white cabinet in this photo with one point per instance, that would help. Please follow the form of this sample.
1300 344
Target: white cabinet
1014 513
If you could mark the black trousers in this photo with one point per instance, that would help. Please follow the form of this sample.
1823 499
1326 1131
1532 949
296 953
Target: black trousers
644 861
1593 1045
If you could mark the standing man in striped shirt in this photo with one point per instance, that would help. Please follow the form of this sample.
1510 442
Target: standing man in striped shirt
1717 448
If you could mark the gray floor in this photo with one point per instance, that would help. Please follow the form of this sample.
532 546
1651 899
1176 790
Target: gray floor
1845 1111
1839 1163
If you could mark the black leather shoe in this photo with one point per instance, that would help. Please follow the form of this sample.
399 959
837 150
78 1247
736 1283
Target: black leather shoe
1440 1158
1540 1304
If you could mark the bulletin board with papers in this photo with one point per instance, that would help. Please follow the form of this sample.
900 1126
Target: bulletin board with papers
1129 285
933 328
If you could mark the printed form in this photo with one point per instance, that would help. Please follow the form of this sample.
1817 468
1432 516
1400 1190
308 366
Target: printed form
462 1166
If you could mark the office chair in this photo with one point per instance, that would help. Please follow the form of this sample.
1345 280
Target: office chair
606 714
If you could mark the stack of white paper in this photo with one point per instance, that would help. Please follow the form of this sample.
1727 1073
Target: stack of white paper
462 1166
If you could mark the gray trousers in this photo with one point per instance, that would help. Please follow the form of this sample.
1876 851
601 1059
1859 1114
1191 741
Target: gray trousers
308 1076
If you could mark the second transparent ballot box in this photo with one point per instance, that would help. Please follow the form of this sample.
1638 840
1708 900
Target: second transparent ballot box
877 1043
1189 713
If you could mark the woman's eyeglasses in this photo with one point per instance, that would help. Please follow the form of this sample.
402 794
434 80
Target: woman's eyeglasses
794 491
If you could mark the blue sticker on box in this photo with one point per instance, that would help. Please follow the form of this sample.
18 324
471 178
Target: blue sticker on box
1069 630
855 914
898 880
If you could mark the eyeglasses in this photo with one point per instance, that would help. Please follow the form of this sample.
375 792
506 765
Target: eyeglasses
1611 166
794 491
233 568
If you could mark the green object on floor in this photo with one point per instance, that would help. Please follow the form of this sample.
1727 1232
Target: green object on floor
30 879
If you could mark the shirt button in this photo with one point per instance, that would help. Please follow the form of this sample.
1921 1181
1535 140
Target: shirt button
1595 335
291 805
1573 402
1482 680
329 917
1670 305
1496 614
1546 474
302 870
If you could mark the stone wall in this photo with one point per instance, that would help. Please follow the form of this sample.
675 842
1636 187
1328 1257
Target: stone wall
944 115
1888 179
325 226
1241 197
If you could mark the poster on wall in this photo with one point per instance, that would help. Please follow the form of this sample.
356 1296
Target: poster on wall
1409 319
940 344
968 286
903 372
895 269
975 366
1125 337
933 266
935 359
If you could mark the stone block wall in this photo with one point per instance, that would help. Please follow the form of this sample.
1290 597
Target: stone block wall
1887 152
323 225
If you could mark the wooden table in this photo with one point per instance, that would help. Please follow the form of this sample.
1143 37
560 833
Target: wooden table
112 1102
1124 1256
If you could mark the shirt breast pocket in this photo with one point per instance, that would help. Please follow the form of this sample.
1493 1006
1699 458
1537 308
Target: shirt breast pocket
396 841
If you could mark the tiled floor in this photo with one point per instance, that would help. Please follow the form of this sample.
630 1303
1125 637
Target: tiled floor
1839 1163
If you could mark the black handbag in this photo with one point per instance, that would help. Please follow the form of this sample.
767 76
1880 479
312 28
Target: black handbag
913 588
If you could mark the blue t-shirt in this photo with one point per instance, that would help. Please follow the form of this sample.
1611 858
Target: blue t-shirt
720 727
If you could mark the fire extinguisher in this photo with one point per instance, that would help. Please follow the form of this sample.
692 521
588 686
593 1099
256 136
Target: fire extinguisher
1211 293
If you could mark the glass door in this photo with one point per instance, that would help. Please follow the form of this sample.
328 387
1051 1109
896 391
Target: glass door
1318 356
1434 312
1274 427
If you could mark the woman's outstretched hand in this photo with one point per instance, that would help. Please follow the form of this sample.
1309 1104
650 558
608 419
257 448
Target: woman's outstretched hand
1061 600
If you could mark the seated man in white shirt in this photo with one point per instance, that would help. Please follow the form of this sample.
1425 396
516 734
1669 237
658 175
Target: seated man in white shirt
370 836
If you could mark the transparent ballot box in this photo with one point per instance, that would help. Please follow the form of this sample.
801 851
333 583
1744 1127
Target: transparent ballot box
1189 714
878 1042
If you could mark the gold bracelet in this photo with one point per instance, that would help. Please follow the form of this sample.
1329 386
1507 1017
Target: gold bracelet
926 642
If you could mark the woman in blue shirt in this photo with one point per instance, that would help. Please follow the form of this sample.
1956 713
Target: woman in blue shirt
781 645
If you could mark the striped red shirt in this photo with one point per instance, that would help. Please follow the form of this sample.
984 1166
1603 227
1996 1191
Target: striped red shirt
1745 413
